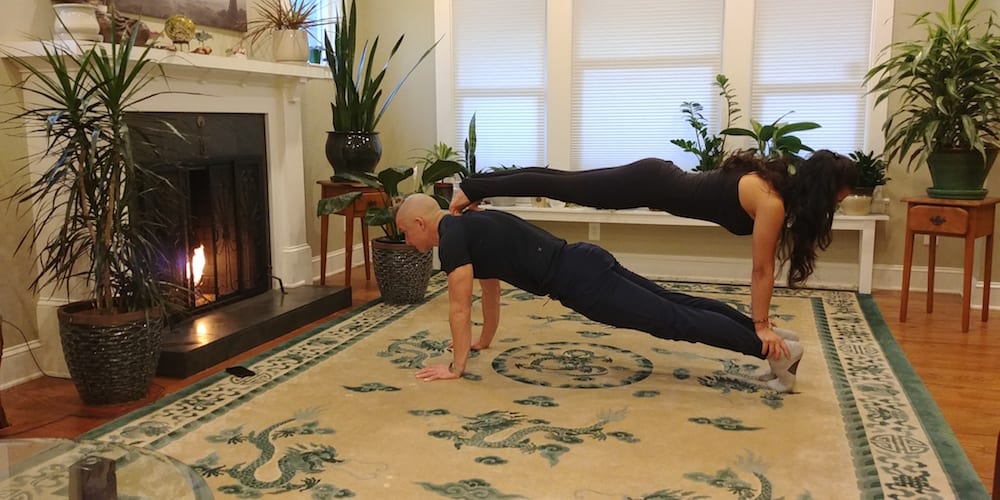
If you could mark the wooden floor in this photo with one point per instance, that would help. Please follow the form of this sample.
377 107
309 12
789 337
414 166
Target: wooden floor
961 371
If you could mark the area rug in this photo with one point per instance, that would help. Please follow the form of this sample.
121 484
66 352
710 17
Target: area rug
561 407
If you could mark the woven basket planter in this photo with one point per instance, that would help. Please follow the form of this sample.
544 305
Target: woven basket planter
401 271
112 358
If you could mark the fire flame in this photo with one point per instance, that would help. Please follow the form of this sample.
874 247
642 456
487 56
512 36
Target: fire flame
196 265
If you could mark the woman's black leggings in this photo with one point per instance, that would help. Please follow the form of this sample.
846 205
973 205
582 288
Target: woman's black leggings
644 183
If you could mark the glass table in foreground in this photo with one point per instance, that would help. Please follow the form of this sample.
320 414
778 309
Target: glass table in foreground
62 468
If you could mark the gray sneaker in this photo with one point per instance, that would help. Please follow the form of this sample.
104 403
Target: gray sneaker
784 369
764 372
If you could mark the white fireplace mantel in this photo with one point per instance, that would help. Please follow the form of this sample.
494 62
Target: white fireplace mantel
196 83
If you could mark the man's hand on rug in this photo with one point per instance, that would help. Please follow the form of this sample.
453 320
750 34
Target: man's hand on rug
437 372
774 345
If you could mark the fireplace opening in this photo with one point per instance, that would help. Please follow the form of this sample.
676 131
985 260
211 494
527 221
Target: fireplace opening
209 198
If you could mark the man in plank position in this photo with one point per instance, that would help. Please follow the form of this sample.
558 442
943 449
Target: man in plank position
492 245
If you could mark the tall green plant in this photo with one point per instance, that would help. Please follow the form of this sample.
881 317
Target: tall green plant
710 149
356 106
86 201
948 84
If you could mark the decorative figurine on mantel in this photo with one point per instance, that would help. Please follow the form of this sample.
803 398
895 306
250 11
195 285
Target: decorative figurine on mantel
202 37
238 51
180 30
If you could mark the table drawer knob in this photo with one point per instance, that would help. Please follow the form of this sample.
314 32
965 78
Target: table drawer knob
938 219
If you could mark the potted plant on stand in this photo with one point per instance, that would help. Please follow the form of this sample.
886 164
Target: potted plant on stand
871 174
354 145
948 85
287 22
401 271
85 195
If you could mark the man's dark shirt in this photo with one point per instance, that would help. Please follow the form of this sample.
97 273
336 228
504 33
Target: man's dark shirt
501 246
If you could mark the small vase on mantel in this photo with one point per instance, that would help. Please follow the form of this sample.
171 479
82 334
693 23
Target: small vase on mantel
76 21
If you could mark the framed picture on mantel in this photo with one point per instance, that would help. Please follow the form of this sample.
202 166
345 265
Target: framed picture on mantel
225 14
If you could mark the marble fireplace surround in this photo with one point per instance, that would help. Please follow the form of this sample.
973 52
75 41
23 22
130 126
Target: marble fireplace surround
215 84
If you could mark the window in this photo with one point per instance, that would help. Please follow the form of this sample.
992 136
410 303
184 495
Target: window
811 56
581 84
499 74
325 9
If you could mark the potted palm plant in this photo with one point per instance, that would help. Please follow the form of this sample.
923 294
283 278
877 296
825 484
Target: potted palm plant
948 86
401 271
86 197
287 22
354 145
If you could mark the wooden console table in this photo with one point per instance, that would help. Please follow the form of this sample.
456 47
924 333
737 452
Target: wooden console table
369 196
968 219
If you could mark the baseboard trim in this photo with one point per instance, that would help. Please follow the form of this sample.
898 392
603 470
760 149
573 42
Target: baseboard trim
18 366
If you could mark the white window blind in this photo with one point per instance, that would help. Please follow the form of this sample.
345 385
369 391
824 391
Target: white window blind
498 51
634 63
810 56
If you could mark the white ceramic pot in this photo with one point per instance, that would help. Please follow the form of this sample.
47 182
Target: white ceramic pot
290 46
856 204
76 21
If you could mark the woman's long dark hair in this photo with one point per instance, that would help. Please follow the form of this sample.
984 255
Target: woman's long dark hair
810 198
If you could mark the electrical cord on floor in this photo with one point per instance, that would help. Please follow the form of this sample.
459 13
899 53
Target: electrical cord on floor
26 344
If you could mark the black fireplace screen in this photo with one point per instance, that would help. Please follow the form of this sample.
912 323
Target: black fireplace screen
210 201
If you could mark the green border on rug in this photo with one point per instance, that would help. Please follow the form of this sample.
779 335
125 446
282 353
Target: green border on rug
963 477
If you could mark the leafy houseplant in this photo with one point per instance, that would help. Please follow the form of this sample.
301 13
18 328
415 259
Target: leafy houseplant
775 140
871 174
91 226
948 84
354 145
871 170
401 271
710 149
287 22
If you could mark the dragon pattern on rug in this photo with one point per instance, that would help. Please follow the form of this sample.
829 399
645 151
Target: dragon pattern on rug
299 459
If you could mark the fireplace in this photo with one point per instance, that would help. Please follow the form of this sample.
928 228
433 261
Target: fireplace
210 201
213 87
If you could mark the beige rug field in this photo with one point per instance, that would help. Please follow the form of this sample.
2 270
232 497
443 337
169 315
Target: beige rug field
560 407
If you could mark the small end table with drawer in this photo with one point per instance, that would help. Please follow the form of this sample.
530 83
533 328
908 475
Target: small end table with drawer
968 219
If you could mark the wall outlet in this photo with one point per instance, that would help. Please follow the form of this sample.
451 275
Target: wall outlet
594 229
927 241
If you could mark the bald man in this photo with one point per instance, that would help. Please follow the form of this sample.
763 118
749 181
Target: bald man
492 245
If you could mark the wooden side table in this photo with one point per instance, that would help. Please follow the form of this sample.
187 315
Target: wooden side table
369 196
968 219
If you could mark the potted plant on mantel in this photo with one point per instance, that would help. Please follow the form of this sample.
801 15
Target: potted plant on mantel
401 271
85 194
948 84
287 22
354 145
